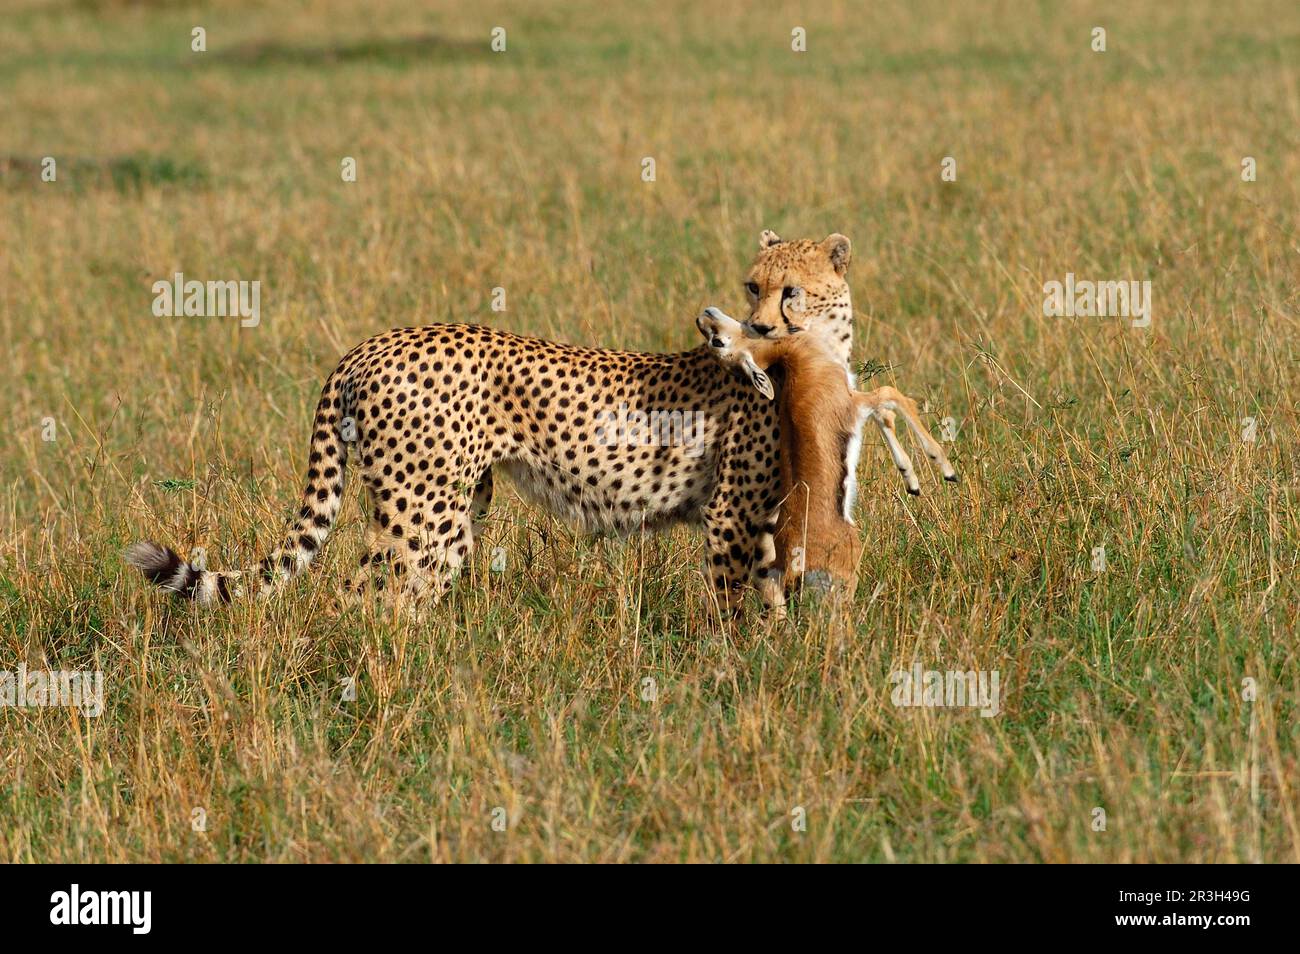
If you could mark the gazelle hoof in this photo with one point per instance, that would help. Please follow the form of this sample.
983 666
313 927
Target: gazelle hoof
817 582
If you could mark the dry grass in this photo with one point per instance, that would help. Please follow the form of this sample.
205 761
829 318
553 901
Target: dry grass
524 689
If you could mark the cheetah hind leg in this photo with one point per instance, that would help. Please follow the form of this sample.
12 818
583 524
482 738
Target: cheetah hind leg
371 573
482 501
434 555
375 562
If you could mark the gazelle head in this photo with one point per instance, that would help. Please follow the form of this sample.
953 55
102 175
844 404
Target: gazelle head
726 338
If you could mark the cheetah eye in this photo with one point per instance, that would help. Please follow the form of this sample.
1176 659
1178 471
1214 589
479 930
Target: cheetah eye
752 288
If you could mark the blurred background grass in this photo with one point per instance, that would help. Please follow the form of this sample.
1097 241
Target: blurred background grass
522 170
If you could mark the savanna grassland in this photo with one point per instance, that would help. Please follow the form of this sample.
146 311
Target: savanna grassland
1123 689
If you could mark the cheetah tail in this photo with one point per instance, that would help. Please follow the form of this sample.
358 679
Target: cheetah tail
327 461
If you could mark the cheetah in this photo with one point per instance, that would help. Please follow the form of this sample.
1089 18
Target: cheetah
821 420
432 414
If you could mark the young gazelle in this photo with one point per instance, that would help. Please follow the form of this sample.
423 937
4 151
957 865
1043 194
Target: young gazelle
821 419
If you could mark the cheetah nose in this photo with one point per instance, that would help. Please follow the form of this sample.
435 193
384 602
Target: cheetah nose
760 329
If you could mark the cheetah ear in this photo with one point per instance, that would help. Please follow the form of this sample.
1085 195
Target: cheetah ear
840 250
767 239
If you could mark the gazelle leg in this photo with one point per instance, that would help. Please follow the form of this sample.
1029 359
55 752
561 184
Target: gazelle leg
884 418
895 400
933 449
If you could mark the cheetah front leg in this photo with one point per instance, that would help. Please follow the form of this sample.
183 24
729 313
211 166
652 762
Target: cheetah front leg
741 552
768 577
740 526
727 564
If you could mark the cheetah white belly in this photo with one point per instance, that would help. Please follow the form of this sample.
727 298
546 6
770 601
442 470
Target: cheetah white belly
599 507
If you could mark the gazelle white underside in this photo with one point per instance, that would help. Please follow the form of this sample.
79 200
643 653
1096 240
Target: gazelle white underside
852 451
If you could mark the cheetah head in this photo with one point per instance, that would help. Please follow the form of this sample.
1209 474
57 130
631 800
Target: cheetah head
800 286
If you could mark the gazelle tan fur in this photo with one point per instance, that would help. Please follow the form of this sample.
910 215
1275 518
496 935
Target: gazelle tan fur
821 418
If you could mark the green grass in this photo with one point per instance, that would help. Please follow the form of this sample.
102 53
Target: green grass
523 690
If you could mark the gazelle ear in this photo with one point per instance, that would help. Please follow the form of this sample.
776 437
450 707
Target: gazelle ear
757 377
840 250
767 239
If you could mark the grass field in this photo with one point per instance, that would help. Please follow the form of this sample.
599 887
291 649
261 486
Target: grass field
1162 690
